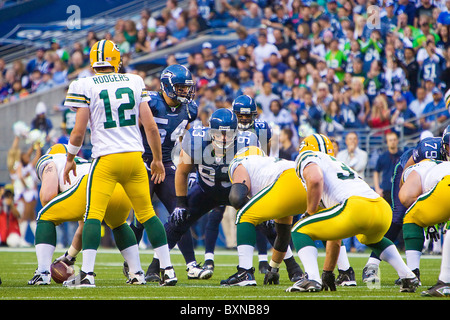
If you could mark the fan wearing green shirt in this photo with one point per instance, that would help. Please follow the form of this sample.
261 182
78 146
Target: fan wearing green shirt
336 59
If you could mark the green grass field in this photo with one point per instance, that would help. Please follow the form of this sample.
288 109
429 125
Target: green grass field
17 267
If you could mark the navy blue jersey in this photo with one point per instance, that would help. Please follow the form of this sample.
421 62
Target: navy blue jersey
428 148
212 171
171 123
263 132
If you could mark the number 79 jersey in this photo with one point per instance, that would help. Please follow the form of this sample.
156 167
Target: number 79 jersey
113 100
340 181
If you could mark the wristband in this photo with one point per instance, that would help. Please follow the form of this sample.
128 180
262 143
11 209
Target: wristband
73 149
274 264
182 201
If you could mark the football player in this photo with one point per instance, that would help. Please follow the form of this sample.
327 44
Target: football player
173 109
428 148
113 104
352 208
266 181
425 193
245 109
67 202
208 151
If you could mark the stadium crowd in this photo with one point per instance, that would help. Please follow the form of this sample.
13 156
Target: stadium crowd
312 66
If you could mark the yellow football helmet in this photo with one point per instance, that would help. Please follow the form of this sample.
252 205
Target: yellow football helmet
317 142
57 148
105 53
447 99
249 151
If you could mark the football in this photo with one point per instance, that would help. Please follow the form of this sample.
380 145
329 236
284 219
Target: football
60 271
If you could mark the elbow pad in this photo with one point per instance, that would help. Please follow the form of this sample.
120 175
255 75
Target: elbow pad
238 195
283 237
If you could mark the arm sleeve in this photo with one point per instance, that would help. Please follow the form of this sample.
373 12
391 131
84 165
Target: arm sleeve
77 96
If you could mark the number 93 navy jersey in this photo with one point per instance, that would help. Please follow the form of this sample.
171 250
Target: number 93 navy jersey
171 122
212 170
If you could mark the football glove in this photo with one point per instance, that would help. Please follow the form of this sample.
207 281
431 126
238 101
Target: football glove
269 224
66 260
180 213
432 233
328 281
178 216
272 276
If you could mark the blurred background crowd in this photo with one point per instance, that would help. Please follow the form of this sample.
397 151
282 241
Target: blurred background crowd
345 68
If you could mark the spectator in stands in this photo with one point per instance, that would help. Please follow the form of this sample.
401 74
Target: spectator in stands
130 32
142 44
353 156
278 115
122 43
41 121
226 65
62 53
76 65
59 72
3 89
323 97
385 165
412 68
2 68
287 149
437 104
9 218
360 97
16 92
418 105
181 31
333 122
37 62
379 115
274 62
266 96
400 116
161 40
249 19
263 51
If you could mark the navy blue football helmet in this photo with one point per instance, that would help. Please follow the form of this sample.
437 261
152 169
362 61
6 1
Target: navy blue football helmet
177 83
223 124
445 148
245 109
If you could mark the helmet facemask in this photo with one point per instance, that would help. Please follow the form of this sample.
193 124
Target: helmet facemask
222 140
184 93
245 121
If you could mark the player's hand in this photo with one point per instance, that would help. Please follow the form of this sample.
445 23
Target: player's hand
178 216
70 166
432 232
158 171
328 281
272 276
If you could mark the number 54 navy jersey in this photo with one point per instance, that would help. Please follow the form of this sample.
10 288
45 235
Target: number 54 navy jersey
171 122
